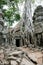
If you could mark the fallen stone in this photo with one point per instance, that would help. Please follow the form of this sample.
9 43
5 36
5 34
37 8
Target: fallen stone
5 62
26 62
11 58
32 58
14 62
16 53
1 54
19 60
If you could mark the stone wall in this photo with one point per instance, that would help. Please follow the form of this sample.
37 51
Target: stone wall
1 27
38 25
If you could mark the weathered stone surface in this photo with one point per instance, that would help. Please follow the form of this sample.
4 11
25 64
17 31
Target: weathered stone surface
1 27
26 62
16 53
24 56
37 19
33 57
38 25
14 62
38 28
1 55
11 58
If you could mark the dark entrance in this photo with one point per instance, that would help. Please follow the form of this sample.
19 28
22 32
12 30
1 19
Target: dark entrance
18 42
40 40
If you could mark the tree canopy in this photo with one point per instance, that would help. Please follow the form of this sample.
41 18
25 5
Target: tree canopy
12 13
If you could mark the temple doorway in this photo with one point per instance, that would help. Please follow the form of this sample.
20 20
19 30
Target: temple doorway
18 42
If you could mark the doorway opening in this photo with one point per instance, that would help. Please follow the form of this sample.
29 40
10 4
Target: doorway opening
18 42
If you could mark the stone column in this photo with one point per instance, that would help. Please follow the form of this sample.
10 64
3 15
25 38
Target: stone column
13 43
21 44
38 38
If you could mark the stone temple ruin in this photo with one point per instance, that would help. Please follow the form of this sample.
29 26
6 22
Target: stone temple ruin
17 53
1 27
3 32
19 38
38 25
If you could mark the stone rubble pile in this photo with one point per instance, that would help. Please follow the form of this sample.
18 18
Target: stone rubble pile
19 58
15 57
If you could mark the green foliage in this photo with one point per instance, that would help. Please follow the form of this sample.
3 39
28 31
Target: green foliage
2 2
12 13
8 13
16 1
17 17
33 1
